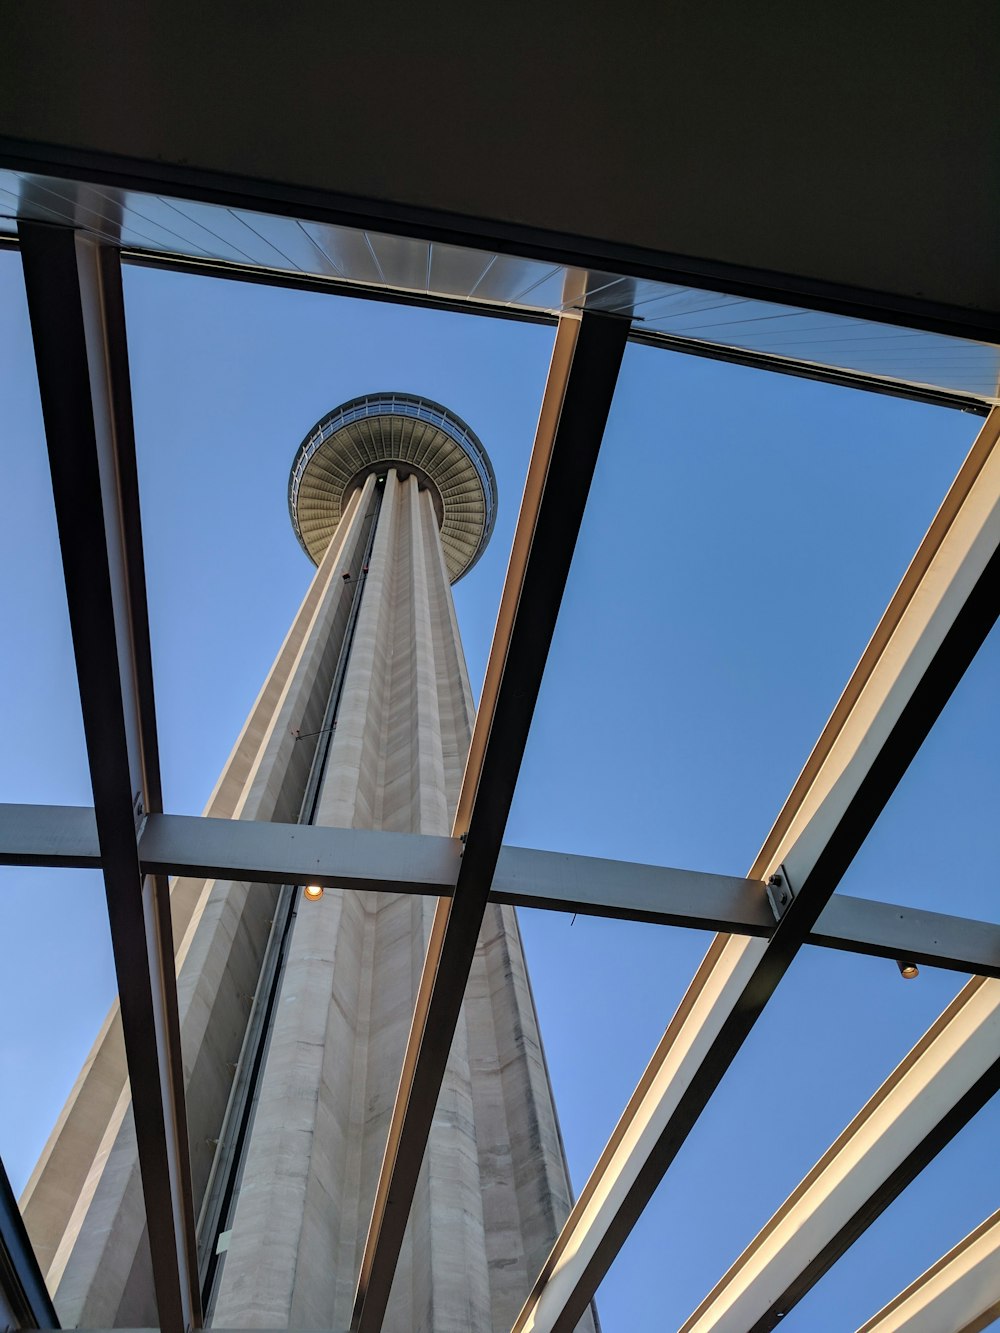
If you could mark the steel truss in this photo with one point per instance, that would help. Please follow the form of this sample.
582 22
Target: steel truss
934 624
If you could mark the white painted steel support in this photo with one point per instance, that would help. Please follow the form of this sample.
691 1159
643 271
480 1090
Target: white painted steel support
266 853
932 627
961 1292
371 860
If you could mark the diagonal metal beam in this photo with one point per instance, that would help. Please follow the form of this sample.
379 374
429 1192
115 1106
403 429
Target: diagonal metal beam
586 359
947 1077
76 308
24 1297
960 1292
376 861
946 604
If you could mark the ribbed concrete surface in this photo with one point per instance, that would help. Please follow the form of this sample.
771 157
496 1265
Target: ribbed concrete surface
83 1204
493 1190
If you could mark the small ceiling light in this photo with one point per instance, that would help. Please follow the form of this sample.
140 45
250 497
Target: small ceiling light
315 891
907 969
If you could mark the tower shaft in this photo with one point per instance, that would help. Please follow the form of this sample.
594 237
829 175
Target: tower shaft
383 645
493 1187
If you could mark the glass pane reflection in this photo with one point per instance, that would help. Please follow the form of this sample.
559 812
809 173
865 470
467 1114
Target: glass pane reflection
811 1062
42 757
936 844
742 538
67 1137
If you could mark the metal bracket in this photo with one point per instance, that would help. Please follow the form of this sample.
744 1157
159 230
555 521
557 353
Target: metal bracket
779 892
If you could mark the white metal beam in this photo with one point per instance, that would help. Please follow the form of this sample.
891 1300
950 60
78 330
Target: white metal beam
940 1084
961 1292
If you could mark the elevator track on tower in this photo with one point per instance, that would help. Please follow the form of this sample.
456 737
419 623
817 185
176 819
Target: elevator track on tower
222 1192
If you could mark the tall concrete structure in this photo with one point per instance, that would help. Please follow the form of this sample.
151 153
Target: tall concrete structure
295 1009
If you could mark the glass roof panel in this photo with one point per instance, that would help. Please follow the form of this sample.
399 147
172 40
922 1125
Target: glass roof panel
602 992
813 1059
739 546
455 269
54 915
402 262
341 251
864 346
43 756
227 379
57 988
936 845
224 231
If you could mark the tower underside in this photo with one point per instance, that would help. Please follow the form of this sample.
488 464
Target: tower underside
364 721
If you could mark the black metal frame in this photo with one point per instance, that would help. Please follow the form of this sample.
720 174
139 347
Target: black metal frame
24 1297
77 318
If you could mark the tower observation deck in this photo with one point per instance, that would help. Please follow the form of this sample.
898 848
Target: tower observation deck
295 1007
418 438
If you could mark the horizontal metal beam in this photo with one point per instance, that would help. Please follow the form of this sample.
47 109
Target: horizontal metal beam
364 859
583 372
63 836
593 886
889 930
266 853
24 1297
961 1292
77 313
935 623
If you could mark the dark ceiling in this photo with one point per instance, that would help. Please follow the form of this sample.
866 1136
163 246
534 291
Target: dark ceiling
845 153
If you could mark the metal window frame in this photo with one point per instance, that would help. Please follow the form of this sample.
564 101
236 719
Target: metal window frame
928 635
77 314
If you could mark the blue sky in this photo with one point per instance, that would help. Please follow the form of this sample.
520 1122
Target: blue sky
743 535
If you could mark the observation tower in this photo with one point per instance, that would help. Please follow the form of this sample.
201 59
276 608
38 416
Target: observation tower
295 1003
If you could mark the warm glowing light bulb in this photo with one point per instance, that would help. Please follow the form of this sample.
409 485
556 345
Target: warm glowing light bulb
313 892
907 970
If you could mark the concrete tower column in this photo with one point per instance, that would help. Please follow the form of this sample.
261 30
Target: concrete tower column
83 1203
365 722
